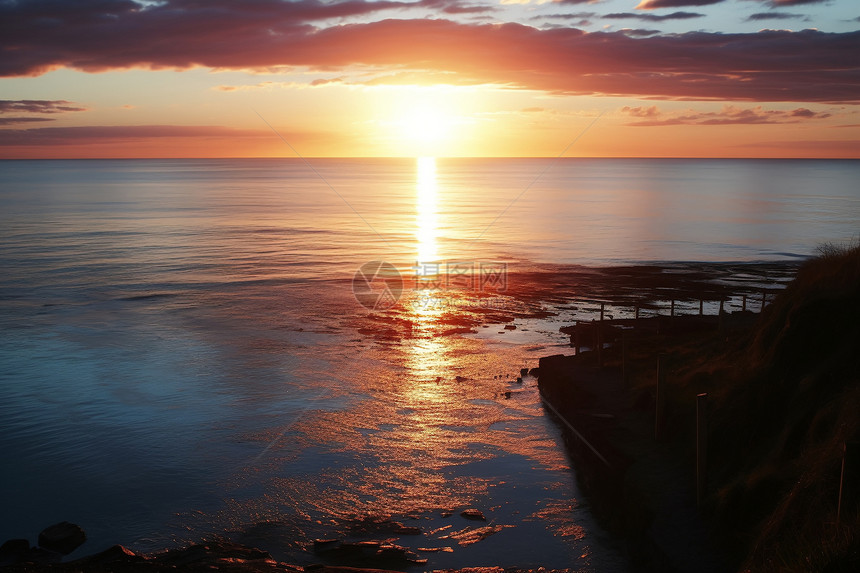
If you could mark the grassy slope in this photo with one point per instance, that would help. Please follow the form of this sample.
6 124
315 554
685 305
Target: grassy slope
784 398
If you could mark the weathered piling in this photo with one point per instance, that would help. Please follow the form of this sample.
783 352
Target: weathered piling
849 482
660 397
701 447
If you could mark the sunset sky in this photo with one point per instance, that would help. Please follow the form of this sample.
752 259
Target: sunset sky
215 78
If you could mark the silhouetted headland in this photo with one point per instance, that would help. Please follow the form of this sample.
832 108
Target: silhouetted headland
777 395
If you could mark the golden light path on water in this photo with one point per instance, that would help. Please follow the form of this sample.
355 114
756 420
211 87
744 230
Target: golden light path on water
426 352
426 193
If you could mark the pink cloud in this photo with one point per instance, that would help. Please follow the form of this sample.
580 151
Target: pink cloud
38 106
95 36
729 115
653 4
19 120
85 135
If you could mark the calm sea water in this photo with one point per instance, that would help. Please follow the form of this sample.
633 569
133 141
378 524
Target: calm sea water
182 353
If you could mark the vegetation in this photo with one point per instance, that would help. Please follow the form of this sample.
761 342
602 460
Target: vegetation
785 398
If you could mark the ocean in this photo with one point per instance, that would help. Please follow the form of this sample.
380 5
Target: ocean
275 349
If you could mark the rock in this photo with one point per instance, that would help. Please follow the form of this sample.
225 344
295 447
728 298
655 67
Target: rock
519 380
510 327
524 371
321 545
63 537
209 553
12 551
115 554
447 513
41 555
507 397
474 514
534 372
378 524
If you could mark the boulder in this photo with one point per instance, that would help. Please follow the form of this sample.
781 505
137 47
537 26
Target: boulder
41 556
13 550
473 514
63 537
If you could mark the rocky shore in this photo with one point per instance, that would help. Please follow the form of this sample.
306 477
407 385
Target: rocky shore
233 557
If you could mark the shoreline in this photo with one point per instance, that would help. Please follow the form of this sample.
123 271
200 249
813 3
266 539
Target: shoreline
614 277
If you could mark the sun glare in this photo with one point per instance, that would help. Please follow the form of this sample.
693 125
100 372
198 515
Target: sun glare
425 125
422 126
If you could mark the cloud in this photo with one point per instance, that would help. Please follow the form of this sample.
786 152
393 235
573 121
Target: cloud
97 36
16 120
38 106
729 115
652 17
259 86
85 135
326 81
774 16
454 7
783 3
653 4
638 32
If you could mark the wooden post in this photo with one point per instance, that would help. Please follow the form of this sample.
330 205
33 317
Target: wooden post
848 482
720 324
763 299
577 332
744 304
636 311
624 357
701 307
672 312
599 346
660 397
701 447
602 306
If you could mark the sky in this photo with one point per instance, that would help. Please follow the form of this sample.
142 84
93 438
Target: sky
444 78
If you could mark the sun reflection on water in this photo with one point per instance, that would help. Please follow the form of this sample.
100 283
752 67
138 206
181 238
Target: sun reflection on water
426 210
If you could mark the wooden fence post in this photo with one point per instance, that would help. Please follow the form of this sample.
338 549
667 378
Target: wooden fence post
599 346
701 307
849 481
624 357
763 299
602 307
660 400
672 312
701 447
744 304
